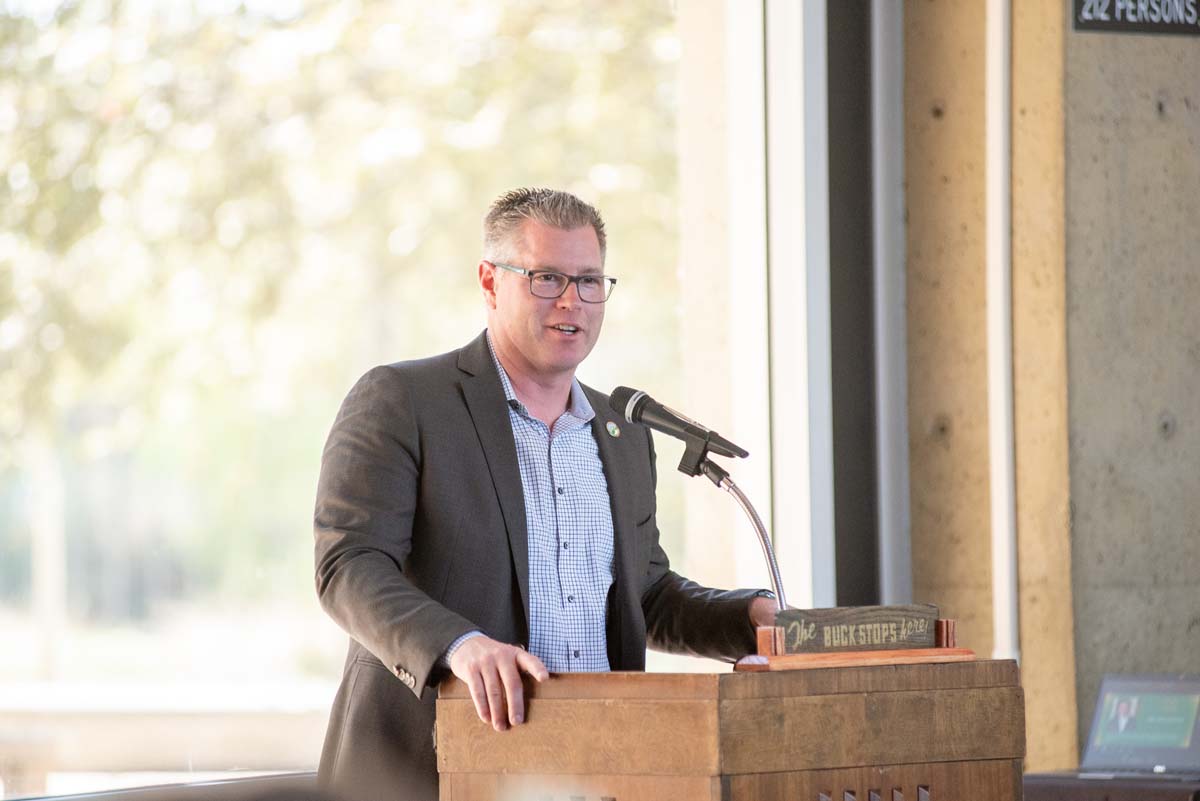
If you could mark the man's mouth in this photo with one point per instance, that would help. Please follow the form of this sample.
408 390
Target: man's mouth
566 328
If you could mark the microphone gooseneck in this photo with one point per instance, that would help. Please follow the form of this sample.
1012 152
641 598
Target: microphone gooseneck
635 406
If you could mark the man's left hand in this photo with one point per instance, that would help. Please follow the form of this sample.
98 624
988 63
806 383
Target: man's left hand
762 612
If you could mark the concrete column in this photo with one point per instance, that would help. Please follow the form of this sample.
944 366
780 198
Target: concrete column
1040 385
1133 334
945 141
947 339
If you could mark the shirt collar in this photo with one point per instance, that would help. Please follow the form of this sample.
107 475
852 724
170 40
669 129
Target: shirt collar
577 404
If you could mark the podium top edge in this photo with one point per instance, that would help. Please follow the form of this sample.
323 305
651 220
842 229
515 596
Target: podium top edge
633 685
615 684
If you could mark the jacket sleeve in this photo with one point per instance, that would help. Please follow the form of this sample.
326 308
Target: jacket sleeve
363 526
685 617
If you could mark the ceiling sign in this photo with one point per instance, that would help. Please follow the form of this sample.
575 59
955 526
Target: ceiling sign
1138 16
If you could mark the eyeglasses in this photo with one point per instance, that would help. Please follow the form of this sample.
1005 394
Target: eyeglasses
552 284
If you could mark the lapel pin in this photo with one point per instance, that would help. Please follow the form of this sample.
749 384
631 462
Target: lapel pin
613 430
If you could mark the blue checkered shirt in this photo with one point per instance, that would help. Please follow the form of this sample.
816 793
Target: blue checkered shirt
570 533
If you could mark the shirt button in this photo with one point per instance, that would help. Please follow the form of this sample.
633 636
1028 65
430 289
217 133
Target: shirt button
576 654
561 490
564 546
570 599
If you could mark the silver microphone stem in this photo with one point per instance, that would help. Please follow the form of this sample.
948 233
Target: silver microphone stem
726 483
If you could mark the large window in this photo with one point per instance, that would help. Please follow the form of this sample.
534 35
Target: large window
215 215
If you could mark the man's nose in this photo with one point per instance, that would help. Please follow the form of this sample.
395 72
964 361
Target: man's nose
566 298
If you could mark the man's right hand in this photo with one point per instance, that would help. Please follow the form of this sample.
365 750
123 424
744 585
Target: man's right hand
492 671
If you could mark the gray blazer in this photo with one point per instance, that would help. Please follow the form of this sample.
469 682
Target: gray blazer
420 537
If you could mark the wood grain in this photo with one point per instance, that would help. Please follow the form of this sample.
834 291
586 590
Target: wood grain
863 678
483 786
851 730
769 640
617 684
875 678
987 780
601 736
748 736
908 656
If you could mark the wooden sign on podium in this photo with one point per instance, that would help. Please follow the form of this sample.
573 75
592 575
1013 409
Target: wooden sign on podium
918 732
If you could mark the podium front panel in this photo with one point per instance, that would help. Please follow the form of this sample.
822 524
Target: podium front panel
881 733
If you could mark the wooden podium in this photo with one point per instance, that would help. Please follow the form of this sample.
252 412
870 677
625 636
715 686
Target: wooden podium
921 732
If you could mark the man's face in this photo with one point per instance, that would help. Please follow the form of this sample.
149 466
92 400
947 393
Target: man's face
532 334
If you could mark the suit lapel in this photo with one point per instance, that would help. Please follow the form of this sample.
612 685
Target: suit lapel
484 397
613 455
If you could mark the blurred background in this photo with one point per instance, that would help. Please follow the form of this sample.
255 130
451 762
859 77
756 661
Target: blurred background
214 216
932 263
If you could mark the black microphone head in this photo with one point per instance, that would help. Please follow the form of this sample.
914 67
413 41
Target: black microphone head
623 400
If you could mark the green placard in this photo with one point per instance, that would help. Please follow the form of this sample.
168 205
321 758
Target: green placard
857 628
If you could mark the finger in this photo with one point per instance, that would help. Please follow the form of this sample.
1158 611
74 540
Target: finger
479 695
532 665
513 690
495 697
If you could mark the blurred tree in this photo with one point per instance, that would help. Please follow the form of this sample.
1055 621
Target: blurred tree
215 214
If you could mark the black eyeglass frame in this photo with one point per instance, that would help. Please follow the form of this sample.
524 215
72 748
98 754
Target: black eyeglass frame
608 281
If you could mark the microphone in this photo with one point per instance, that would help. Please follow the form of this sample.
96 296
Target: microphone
638 407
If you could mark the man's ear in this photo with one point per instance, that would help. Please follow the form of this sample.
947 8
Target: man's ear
487 283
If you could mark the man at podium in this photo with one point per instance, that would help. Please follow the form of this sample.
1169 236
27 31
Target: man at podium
484 513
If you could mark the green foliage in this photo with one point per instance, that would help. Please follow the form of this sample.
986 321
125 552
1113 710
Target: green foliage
214 215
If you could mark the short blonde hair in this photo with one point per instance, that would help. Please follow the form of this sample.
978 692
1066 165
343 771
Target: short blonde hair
551 207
